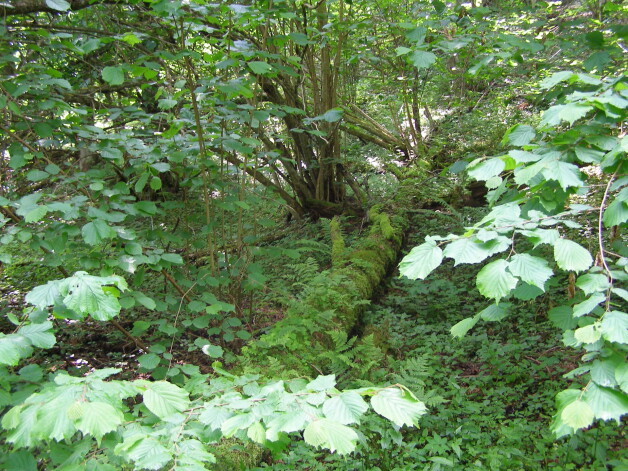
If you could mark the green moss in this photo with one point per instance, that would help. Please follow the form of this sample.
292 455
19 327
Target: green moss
337 243
231 455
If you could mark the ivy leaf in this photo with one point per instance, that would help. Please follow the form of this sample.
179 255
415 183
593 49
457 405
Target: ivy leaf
329 434
606 403
421 261
532 270
164 399
398 406
113 75
571 256
577 415
345 408
98 418
494 281
465 325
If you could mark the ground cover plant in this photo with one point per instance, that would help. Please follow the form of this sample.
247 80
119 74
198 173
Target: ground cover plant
203 203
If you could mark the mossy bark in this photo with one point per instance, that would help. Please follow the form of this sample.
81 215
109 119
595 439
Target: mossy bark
293 345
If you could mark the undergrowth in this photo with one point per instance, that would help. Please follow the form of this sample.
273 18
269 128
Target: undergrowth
490 395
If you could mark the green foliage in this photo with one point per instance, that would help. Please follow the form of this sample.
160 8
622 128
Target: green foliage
539 190
171 424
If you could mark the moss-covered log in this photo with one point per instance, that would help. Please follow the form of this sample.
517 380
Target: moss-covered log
293 345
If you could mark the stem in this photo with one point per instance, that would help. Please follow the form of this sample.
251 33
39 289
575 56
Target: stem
601 240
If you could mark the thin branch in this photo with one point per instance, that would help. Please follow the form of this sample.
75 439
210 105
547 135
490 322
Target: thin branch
600 239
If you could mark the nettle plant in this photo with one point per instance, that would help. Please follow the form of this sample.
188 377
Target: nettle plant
576 154
93 422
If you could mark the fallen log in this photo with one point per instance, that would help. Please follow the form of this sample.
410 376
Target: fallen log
292 346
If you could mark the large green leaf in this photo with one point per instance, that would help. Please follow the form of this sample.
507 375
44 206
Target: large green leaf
461 328
422 59
40 335
566 174
588 334
345 408
13 348
85 295
606 403
495 312
615 327
330 434
96 231
588 305
164 399
577 415
467 250
485 169
98 418
238 422
592 283
146 452
259 67
322 383
533 270
617 212
113 75
44 295
520 135
495 281
571 256
421 260
59 5
398 406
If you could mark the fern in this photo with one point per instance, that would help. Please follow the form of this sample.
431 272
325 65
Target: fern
412 373
351 361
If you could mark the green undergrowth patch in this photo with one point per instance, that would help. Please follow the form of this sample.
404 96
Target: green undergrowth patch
490 394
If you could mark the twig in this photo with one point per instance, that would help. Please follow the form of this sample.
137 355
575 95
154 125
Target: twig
601 241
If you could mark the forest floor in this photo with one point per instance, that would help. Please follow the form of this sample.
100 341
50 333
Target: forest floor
490 395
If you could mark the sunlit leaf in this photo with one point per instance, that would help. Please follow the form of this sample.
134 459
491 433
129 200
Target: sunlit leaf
398 406
164 399
329 434
571 256
495 281
421 261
